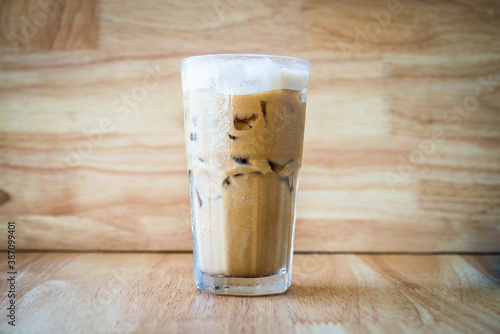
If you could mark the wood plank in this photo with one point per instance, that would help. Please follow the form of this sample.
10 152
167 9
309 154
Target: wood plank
367 117
341 28
402 27
48 25
155 293
203 27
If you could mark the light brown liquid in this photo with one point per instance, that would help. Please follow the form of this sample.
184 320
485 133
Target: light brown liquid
244 155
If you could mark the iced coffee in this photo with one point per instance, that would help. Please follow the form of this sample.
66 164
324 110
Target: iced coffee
244 127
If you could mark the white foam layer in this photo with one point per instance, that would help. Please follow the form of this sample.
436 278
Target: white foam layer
233 75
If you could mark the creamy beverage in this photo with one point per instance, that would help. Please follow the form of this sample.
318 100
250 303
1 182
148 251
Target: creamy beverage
244 127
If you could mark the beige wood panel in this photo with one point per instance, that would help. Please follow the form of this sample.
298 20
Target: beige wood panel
403 27
48 25
91 137
155 293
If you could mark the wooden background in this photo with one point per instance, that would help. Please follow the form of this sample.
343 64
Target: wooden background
391 161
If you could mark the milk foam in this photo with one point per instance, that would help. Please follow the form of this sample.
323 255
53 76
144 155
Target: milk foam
239 75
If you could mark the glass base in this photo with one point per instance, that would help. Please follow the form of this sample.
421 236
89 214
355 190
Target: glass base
242 286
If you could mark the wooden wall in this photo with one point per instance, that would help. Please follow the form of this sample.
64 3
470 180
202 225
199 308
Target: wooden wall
402 145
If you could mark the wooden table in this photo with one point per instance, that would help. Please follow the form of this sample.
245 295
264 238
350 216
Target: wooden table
331 293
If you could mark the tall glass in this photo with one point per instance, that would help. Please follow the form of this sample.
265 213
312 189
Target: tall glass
244 121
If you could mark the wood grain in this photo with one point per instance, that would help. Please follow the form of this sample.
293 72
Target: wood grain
48 25
391 160
155 293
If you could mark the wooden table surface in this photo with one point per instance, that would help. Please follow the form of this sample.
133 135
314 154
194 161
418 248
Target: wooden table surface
155 293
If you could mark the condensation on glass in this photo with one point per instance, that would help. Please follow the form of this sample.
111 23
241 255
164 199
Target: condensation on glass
244 119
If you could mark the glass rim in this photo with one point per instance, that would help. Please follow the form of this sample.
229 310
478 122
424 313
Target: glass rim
244 55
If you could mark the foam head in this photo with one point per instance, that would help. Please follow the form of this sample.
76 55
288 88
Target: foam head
243 74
